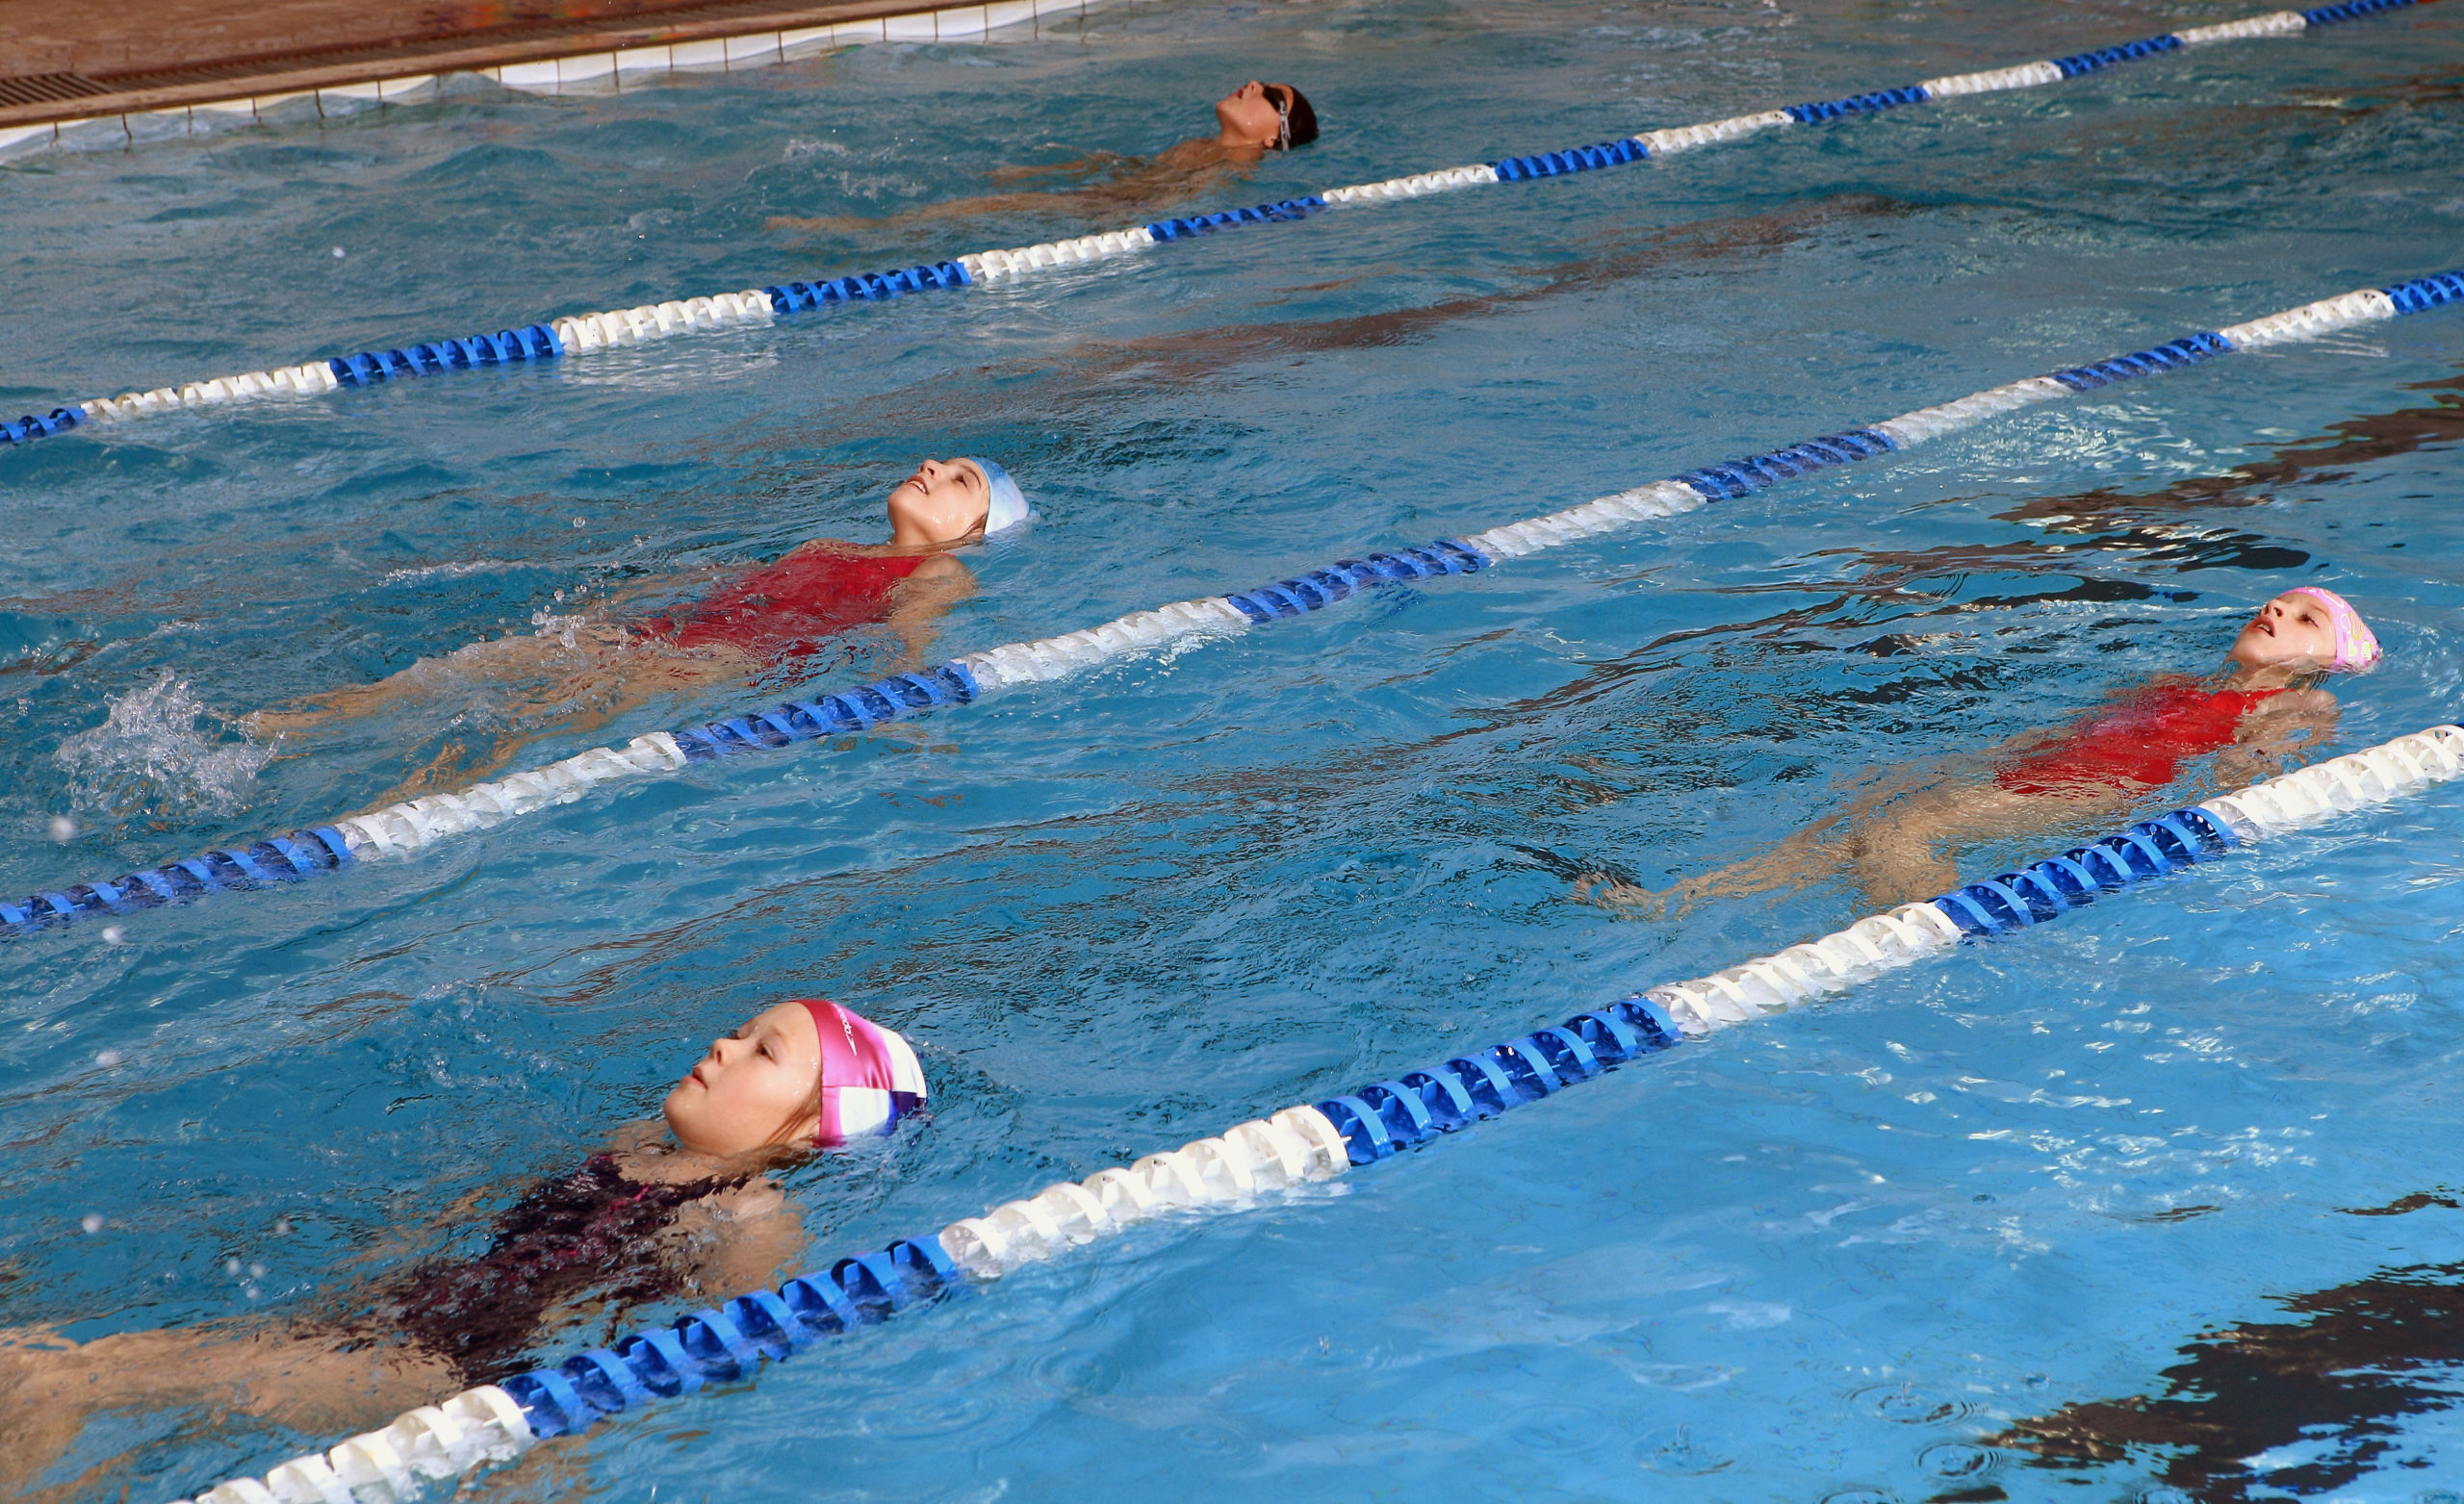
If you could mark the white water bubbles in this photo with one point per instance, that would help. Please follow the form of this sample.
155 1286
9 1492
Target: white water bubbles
160 752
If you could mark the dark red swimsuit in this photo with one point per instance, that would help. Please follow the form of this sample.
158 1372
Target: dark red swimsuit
592 1232
2141 743
784 610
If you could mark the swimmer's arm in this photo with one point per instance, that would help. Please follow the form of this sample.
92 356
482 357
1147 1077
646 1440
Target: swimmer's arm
2282 732
627 596
741 1239
395 1240
1085 166
917 603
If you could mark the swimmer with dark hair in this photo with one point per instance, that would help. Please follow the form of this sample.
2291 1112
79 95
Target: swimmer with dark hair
685 1213
1254 120
583 670
1900 842
1267 116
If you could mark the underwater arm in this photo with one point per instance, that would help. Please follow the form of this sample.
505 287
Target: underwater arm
2280 733
736 1240
919 603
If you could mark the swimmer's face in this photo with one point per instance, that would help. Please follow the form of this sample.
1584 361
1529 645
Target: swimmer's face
754 1087
1252 115
2290 629
942 502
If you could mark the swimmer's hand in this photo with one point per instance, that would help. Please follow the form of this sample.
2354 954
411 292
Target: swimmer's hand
1614 892
821 224
269 727
743 1202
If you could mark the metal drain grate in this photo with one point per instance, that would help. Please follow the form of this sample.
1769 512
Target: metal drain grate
36 88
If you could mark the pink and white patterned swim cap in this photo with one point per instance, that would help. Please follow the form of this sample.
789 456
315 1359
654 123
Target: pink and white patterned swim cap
870 1075
2356 644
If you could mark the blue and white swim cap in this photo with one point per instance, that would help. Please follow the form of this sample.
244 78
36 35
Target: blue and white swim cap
1009 504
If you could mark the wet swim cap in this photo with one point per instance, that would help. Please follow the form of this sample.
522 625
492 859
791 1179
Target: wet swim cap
869 1076
2356 644
1009 507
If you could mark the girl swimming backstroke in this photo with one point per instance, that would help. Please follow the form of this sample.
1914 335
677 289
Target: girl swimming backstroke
683 1208
1900 841
588 667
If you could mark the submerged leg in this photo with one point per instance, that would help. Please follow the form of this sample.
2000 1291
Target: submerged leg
308 1382
578 656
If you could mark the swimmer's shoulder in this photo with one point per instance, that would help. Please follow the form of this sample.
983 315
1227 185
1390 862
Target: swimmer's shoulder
2312 701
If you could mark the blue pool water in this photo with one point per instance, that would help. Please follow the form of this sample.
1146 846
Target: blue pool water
1829 1257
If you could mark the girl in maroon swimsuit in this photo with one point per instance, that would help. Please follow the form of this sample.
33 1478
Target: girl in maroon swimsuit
1900 842
659 1217
583 670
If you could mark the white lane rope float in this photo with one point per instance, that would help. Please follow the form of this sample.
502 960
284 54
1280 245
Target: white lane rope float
403 828
1244 1166
584 334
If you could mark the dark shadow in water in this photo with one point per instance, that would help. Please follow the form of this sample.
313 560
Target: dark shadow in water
2335 1383
1091 374
2120 526
2318 462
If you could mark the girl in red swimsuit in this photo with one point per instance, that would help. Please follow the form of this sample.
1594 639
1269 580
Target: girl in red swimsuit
658 1217
784 610
579 672
1899 842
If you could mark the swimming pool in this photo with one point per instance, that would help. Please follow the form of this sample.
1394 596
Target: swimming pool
1835 1253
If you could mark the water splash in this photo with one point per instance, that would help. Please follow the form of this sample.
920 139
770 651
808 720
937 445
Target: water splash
161 750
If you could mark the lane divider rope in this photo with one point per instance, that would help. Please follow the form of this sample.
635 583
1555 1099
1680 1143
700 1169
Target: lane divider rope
583 334
402 828
1236 1169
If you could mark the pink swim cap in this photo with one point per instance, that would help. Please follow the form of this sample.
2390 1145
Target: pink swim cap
870 1075
2356 644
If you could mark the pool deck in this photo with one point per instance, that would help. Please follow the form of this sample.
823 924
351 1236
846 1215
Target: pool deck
62 64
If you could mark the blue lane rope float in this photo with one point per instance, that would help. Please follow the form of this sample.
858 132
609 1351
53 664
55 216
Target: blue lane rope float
731 1342
588 333
399 829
